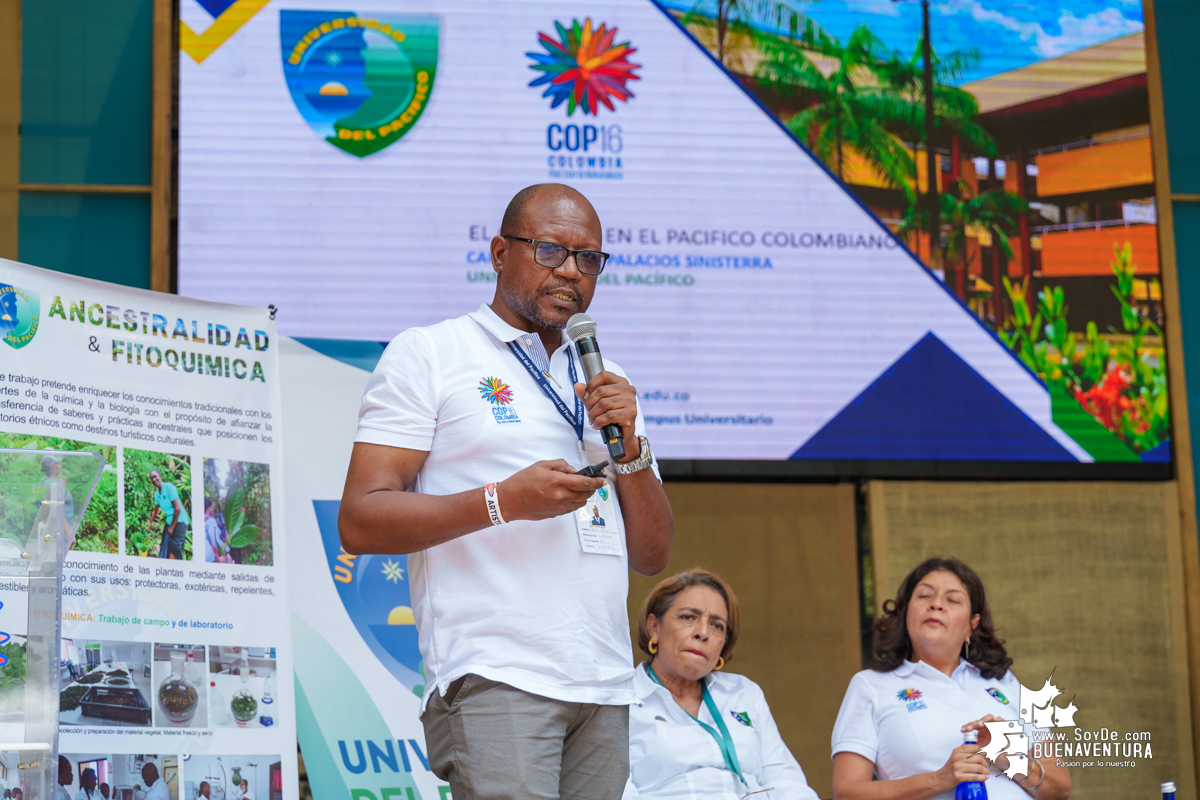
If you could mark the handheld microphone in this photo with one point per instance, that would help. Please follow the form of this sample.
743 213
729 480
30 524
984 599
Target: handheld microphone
581 329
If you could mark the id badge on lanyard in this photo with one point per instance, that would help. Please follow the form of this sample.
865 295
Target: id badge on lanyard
596 522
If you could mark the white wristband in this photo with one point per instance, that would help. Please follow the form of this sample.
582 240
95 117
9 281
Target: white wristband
493 504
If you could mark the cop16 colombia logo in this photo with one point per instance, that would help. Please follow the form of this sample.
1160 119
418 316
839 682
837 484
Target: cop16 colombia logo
585 69
361 82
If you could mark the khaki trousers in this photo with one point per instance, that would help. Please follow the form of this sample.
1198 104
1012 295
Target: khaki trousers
493 742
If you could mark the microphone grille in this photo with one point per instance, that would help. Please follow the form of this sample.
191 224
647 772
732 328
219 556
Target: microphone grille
580 325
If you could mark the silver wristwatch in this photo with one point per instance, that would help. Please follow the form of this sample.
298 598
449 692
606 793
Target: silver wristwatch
639 463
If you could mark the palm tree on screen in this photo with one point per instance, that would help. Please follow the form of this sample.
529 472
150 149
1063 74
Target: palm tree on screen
992 214
748 18
954 109
849 107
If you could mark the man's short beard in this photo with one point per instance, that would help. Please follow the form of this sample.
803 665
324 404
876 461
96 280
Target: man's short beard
528 310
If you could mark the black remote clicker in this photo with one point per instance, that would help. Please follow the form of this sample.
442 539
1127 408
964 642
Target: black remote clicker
593 471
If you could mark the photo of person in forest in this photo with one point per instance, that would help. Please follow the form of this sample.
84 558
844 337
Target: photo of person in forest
158 504
237 512
96 531
216 539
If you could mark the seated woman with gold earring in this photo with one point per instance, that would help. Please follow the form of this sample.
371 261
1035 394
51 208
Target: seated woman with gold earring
697 732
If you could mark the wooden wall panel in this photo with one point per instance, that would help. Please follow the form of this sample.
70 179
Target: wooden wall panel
10 125
1173 305
789 552
162 156
1084 579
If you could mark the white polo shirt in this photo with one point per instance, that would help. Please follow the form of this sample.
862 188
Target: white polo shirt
673 758
519 603
908 720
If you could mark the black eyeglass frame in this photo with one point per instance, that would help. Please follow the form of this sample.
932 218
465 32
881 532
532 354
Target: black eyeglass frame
569 252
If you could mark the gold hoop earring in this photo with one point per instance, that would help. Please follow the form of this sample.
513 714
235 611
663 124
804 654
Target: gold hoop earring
652 646
720 664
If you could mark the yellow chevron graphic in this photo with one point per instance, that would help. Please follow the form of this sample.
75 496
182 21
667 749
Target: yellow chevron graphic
201 46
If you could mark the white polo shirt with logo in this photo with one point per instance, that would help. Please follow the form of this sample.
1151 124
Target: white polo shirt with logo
519 603
908 720
672 758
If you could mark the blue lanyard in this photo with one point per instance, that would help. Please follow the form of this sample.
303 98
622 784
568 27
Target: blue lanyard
575 421
724 740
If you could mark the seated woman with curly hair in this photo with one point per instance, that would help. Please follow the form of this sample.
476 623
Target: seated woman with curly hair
939 672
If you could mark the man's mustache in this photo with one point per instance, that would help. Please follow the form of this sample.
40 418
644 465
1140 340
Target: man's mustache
563 289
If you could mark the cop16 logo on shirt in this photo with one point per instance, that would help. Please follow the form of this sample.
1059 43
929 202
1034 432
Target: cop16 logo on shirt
500 395
911 699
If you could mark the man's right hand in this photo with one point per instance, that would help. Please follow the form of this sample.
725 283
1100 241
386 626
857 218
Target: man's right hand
545 490
380 515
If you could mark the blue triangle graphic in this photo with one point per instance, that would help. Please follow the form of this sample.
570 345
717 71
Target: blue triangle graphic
1160 454
931 405
215 7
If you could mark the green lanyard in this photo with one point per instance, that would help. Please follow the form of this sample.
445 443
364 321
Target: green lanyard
724 740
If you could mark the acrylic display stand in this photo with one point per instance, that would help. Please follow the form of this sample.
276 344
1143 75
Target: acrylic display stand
43 496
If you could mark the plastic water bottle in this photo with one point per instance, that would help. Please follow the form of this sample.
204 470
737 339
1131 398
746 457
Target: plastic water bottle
972 790
1168 790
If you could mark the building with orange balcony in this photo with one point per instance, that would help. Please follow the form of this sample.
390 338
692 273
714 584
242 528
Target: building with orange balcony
1075 135
1072 135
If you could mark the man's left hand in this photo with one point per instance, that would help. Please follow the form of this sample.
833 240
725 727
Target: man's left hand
612 400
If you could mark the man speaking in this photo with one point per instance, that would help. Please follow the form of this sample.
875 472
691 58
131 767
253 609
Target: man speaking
468 442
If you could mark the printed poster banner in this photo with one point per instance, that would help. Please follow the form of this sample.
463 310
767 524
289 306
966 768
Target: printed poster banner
176 656
350 165
359 685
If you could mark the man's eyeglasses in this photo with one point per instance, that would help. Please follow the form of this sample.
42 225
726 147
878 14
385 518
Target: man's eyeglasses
549 254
